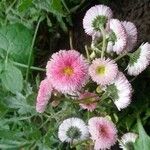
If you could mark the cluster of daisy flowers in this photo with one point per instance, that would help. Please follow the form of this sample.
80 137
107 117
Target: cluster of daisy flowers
69 73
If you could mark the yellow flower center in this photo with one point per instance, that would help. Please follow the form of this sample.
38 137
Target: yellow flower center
100 70
68 71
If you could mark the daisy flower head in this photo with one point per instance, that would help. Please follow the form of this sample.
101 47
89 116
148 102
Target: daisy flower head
131 32
44 94
96 17
103 71
127 141
103 132
91 97
139 60
117 36
67 71
73 130
121 91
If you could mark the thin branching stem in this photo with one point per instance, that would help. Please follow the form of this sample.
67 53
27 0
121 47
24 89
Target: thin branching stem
26 66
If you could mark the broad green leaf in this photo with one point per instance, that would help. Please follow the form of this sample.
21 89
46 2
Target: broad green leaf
16 41
12 78
143 142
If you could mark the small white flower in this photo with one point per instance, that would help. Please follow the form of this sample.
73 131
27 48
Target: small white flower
123 91
139 60
103 71
95 17
73 130
131 32
117 36
127 141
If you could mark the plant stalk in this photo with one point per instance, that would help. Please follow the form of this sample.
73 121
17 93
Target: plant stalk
26 66
104 42
31 49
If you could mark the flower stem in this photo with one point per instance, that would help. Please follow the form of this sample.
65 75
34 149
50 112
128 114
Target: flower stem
120 56
104 42
31 49
87 53
26 66
70 40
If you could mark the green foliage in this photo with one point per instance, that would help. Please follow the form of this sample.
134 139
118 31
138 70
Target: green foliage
21 127
11 78
15 40
143 142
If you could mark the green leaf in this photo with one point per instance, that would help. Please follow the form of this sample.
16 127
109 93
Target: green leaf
57 6
112 92
19 102
24 5
16 41
143 142
12 78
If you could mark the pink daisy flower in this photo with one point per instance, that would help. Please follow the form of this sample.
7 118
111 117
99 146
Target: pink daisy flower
44 94
103 71
124 91
91 105
95 17
131 31
67 71
103 132
118 36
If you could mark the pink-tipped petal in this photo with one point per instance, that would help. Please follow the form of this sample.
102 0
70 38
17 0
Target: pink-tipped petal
120 34
103 132
44 95
91 105
67 71
131 31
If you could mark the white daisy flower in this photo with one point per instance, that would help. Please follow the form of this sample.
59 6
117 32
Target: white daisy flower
73 130
120 91
127 141
139 60
131 32
117 36
95 17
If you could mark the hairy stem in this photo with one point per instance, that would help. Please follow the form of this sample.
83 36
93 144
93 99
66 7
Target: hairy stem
104 42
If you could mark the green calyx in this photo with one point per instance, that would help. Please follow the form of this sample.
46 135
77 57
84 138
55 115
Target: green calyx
112 37
74 133
99 21
134 56
112 92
